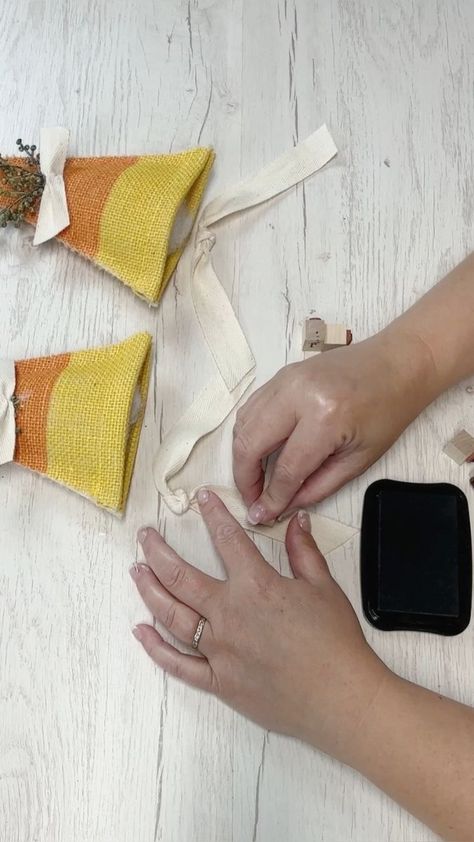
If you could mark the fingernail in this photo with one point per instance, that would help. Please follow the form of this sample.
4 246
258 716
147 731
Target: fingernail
203 496
304 521
141 534
137 632
136 569
256 514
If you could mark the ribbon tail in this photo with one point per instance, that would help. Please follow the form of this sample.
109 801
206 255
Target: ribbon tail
207 412
232 356
53 214
7 411
329 534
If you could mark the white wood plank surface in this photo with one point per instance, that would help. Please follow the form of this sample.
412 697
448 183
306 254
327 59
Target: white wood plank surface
95 744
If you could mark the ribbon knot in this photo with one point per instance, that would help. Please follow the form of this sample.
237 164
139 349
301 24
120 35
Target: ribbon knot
178 501
206 239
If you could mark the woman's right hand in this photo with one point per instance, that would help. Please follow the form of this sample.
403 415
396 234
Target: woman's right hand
333 416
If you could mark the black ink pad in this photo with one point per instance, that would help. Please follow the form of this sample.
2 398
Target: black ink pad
416 558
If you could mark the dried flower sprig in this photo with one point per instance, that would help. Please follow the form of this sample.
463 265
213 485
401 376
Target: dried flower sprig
20 187
16 401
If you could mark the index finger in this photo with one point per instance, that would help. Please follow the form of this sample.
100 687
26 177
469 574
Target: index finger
257 434
299 458
236 549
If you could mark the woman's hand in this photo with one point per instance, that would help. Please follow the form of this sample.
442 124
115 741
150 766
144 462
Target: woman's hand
332 416
288 653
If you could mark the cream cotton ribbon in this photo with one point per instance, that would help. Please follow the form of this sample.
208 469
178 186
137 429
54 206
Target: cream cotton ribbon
328 533
53 215
234 361
7 411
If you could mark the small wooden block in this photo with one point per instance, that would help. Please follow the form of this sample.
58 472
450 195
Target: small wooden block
314 334
461 448
319 336
337 335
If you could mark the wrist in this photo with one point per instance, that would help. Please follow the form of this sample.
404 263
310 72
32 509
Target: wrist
412 374
342 733
375 722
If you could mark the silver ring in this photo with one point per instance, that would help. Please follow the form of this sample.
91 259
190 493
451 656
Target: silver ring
198 632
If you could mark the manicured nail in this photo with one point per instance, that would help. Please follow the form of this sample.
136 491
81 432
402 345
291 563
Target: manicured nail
304 521
141 534
136 570
203 496
256 514
137 632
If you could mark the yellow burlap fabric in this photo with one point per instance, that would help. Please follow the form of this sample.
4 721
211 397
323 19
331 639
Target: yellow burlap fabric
80 416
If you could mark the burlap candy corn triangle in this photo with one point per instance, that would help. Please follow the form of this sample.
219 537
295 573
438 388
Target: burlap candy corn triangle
130 215
77 417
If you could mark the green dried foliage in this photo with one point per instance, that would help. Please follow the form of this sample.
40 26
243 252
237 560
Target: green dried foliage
20 187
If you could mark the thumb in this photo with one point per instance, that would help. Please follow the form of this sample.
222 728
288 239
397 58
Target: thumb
307 562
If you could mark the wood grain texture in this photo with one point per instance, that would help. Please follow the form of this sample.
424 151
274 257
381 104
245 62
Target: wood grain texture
94 743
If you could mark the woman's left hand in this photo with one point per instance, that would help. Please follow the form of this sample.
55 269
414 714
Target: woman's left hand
288 653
